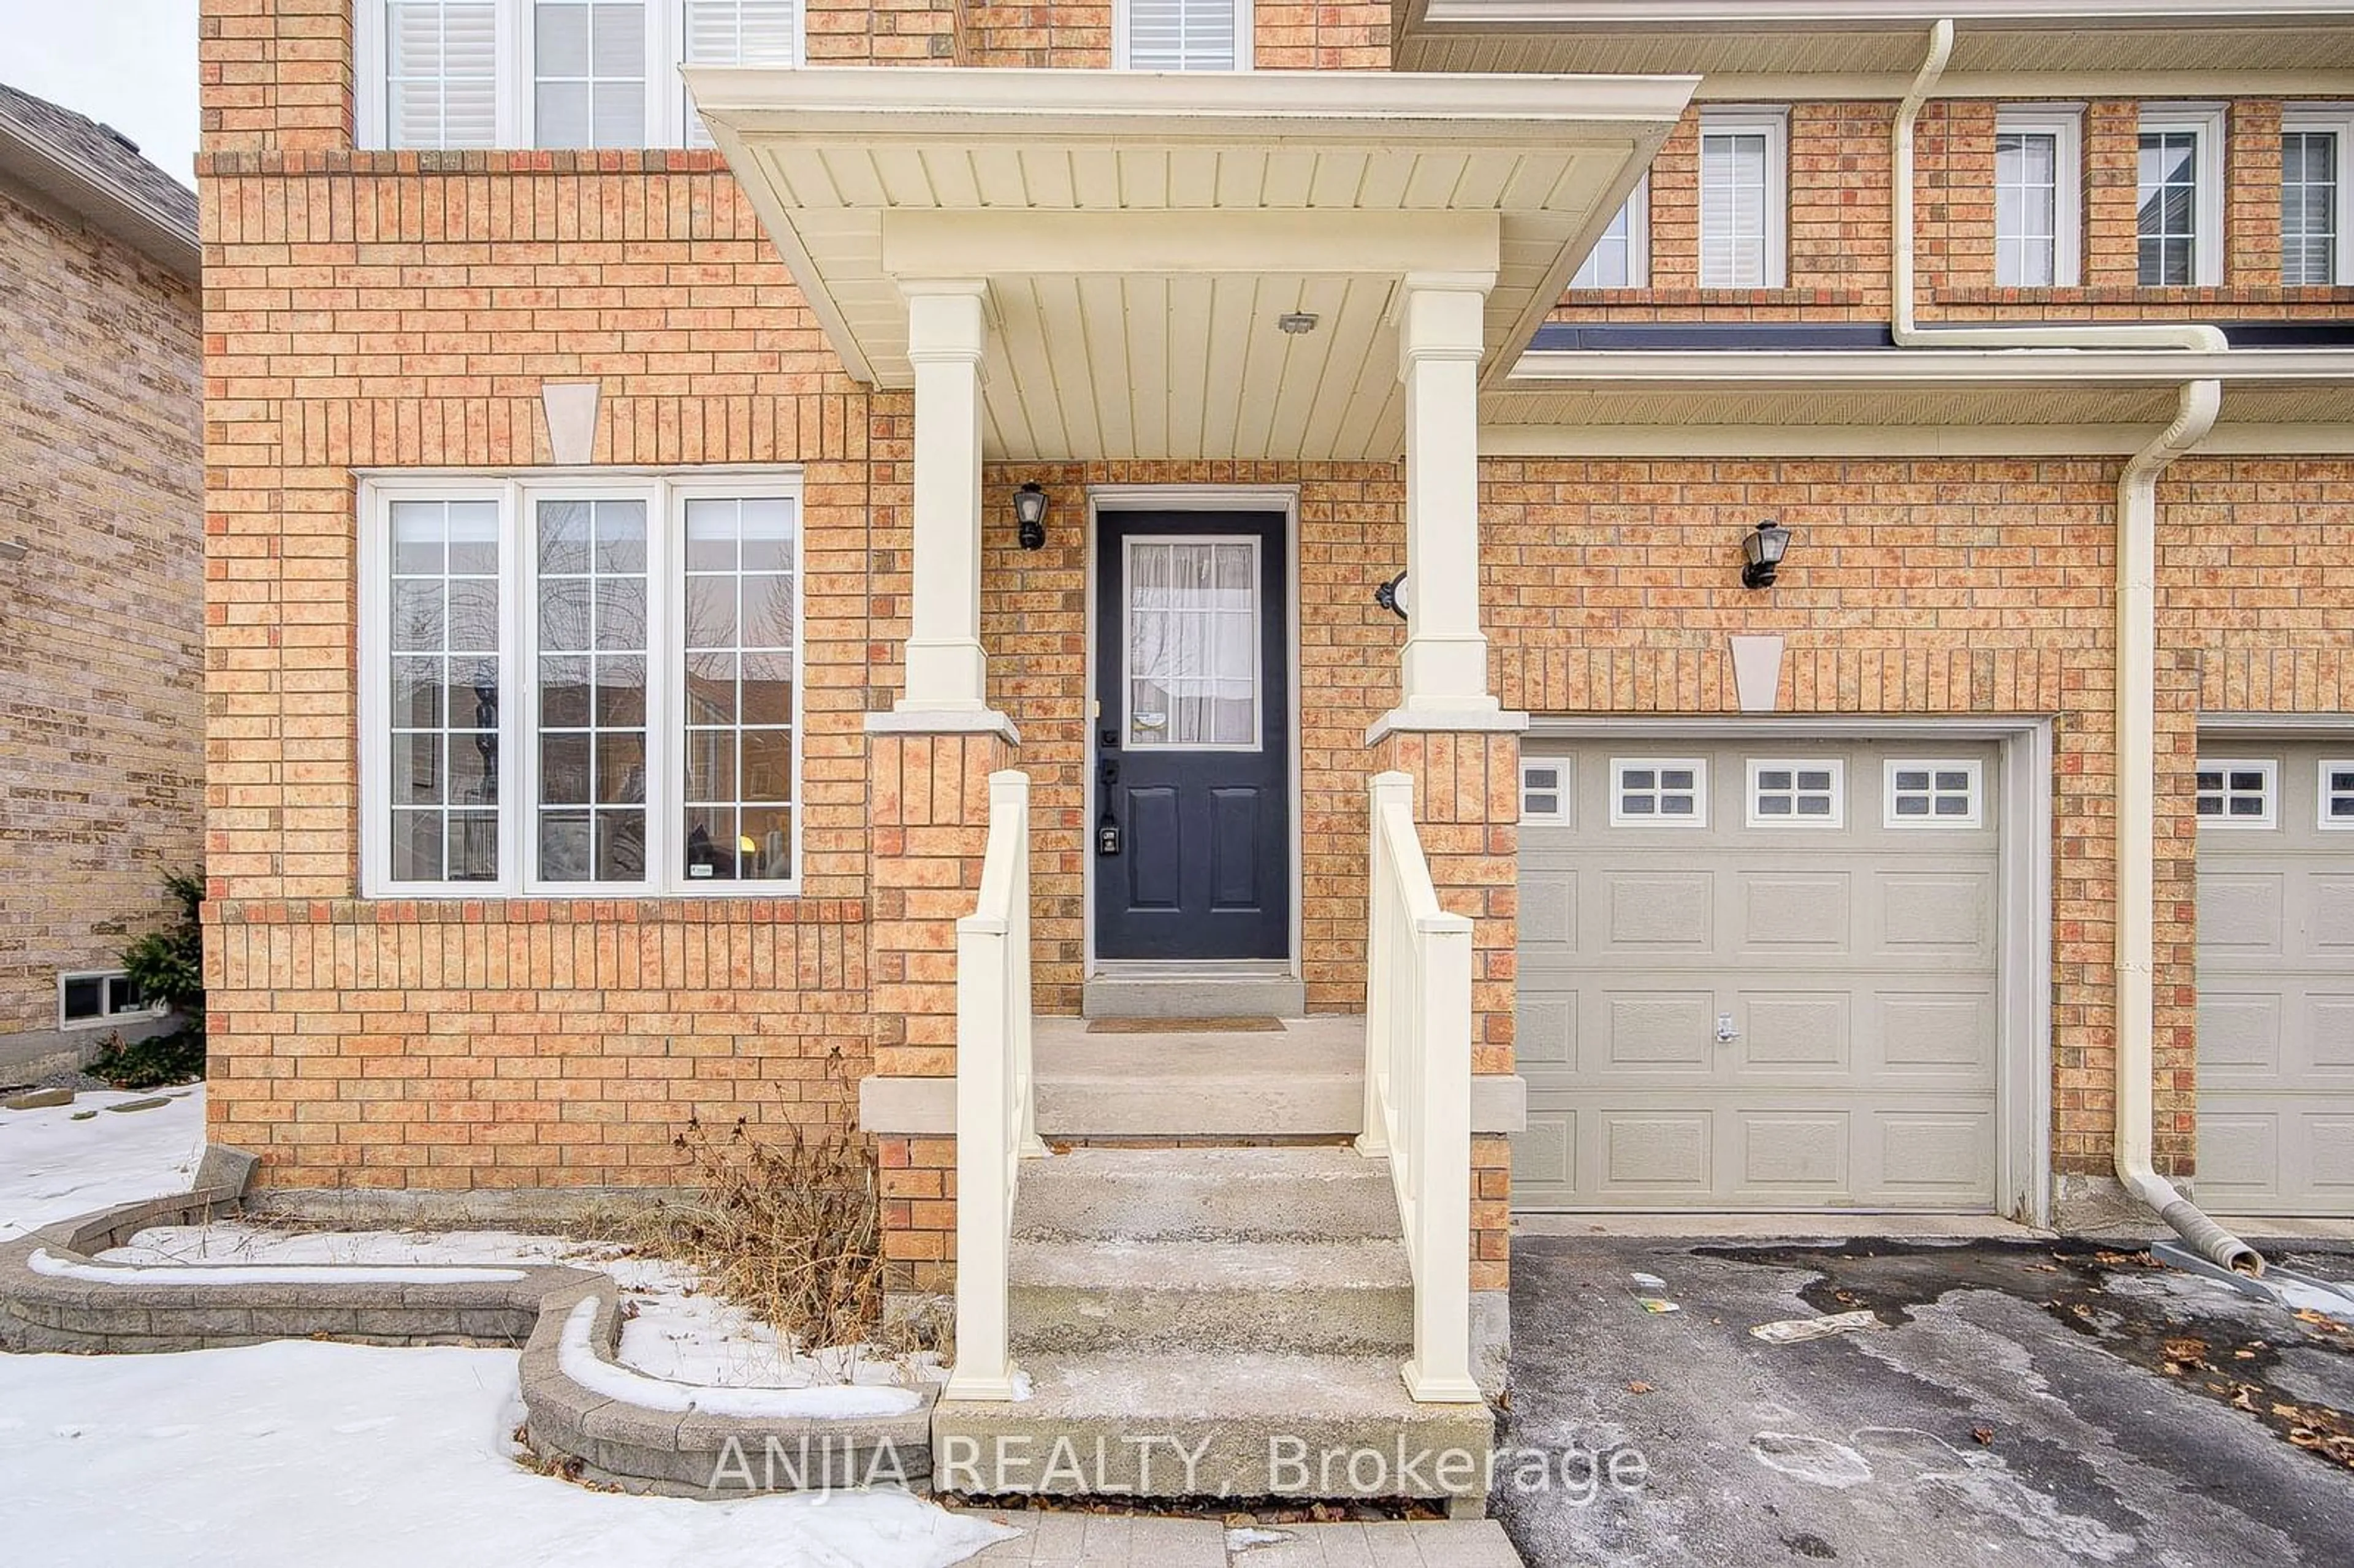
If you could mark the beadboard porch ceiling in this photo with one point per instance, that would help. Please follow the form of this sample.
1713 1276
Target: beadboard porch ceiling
1143 234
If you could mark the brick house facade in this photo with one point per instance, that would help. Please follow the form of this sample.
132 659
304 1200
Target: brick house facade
377 315
102 582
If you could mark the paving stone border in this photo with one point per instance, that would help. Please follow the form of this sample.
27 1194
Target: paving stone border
56 1296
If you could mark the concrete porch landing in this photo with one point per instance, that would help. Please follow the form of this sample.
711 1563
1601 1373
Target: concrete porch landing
1306 1081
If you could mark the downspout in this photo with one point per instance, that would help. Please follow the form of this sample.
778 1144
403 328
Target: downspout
2137 696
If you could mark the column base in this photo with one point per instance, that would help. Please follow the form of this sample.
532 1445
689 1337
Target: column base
1421 717
943 721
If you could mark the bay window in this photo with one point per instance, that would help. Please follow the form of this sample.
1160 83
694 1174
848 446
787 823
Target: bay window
580 685
553 73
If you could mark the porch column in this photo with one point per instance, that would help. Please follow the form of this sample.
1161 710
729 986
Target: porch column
1444 672
948 674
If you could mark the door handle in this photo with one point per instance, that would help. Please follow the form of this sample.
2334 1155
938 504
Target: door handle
1725 1033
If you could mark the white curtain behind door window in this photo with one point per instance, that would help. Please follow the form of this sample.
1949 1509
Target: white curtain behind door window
1193 624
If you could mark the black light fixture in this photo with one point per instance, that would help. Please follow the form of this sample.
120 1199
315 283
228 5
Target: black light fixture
1763 549
1392 596
1030 511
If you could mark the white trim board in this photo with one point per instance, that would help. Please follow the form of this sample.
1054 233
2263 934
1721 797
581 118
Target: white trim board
1895 440
1102 498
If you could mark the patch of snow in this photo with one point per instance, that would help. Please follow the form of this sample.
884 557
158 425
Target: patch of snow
43 1263
1244 1539
584 1366
2312 1296
54 1168
297 1453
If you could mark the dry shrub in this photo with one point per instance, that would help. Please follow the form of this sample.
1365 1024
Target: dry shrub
789 1230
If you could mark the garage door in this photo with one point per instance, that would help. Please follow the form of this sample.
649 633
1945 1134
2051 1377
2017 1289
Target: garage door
1758 977
2277 978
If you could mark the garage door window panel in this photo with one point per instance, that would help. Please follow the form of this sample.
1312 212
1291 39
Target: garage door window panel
2238 792
1659 792
1787 793
1935 792
2338 793
1545 791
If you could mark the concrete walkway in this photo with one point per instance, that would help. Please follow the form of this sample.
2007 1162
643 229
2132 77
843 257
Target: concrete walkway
1122 1541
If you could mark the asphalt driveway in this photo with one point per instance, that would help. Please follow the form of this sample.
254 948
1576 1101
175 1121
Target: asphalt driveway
2014 1404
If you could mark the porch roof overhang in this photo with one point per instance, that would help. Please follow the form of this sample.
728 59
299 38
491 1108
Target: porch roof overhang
1989 400
1141 234
1870 48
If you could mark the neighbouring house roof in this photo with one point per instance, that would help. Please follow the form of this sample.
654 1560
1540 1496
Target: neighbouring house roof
95 171
1873 46
1141 234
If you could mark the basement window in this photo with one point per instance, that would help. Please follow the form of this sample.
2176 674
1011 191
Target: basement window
2238 792
97 997
1659 792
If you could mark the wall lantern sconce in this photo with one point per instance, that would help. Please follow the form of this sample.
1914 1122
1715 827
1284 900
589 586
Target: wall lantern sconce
1764 550
1392 596
1030 512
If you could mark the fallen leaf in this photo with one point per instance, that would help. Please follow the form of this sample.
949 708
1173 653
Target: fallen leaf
1985 1435
1638 1386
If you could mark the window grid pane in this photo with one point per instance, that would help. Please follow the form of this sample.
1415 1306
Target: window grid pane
444 635
1193 643
2236 792
590 86
2169 208
2308 207
593 645
1668 793
1734 188
738 639
1181 35
1611 263
2027 210
1802 794
2337 794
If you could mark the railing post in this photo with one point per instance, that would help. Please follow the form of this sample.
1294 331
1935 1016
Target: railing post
1381 963
1440 1372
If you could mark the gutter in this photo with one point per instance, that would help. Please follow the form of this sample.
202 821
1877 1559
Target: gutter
2137 701
92 194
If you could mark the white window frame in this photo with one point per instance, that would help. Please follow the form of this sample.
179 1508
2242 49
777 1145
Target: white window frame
2205 120
2321 808
1637 211
666 496
2334 119
2268 766
1564 774
1835 767
2065 123
1773 122
1245 27
105 1016
518 74
1619 766
1932 766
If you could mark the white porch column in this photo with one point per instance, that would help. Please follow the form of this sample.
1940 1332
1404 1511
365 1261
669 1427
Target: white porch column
1444 673
947 673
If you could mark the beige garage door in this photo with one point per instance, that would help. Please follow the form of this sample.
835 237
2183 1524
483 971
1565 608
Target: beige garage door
1760 976
2277 978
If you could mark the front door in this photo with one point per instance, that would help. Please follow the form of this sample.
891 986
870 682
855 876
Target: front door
1191 828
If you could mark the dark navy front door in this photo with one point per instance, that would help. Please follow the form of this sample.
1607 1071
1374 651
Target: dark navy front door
1191 813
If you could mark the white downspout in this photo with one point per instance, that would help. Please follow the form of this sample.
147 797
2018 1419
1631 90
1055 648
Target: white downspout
2136 629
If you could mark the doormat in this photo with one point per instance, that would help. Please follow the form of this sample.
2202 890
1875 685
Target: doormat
1185 1026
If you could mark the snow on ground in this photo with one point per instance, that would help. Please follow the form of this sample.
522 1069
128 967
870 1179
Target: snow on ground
301 1452
55 1167
677 1333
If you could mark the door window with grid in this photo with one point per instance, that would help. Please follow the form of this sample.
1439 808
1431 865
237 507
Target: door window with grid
1193 640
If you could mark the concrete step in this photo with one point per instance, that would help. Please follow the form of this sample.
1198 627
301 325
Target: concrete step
1303 1297
1206 1194
1217 989
1213 1424
1306 1082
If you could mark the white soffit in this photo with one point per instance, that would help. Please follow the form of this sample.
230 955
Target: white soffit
1875 45
1141 233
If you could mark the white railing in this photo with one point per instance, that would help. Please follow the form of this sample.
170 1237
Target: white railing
996 1123
1418 1088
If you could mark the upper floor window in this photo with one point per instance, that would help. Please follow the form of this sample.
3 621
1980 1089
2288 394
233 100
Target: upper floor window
580 685
2181 197
553 73
1181 35
2037 178
1744 199
1621 259
2317 150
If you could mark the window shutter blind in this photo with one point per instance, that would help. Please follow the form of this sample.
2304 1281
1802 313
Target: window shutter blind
441 73
1181 35
736 32
1733 191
